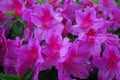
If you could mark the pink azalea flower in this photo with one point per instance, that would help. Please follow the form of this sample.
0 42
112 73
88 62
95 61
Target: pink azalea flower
92 40
11 58
115 19
54 50
87 3
47 27
86 20
75 63
27 17
68 10
109 64
44 18
54 3
28 55
105 7
112 40
3 46
2 18
28 32
107 4
67 27
11 5
29 3
42 34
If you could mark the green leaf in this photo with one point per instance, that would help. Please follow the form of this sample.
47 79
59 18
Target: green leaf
117 1
96 1
9 13
19 19
50 0
17 29
18 76
41 1
77 1
116 32
8 77
28 75
71 37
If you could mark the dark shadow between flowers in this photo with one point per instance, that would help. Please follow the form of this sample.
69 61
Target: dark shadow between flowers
49 74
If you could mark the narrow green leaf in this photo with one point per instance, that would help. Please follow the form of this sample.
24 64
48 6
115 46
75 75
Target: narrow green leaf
19 19
8 77
117 1
28 74
41 1
18 76
96 1
17 29
77 1
9 13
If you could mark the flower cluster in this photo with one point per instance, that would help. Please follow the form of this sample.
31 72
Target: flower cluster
75 37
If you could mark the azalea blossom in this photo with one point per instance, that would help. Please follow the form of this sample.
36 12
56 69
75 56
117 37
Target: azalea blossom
108 64
85 20
55 49
28 55
14 6
73 39
11 58
75 63
3 46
